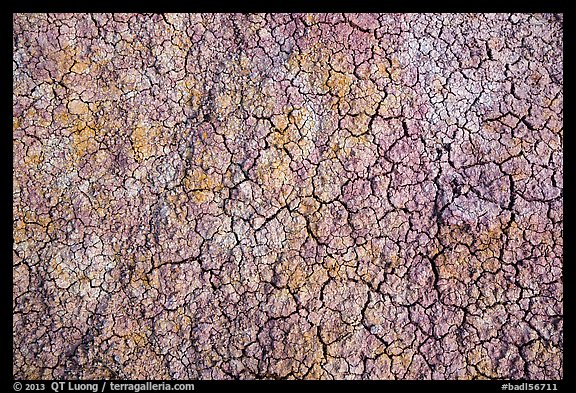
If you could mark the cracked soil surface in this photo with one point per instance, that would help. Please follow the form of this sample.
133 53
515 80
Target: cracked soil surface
287 196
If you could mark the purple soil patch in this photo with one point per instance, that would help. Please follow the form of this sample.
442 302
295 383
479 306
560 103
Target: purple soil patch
288 196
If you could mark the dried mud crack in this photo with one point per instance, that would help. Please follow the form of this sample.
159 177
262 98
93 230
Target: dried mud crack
287 196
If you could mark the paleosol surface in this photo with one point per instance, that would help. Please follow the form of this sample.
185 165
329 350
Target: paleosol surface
287 196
